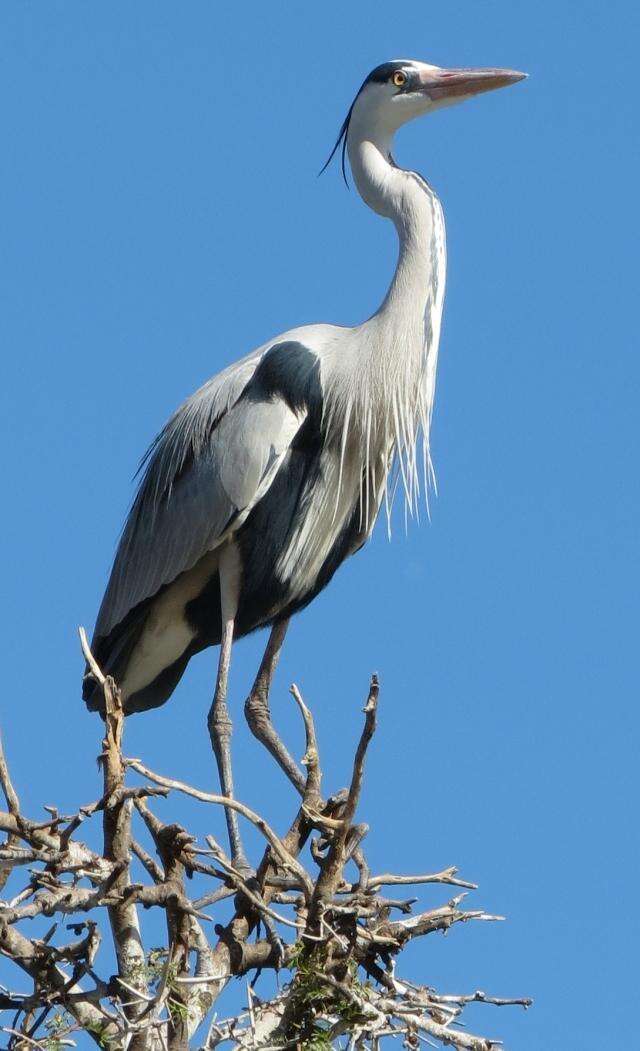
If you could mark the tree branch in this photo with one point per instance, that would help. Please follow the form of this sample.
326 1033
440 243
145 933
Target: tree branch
331 935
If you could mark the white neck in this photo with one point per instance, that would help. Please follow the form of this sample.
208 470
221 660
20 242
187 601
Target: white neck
393 384
414 209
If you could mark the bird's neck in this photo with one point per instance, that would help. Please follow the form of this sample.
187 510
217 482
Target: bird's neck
397 358
415 211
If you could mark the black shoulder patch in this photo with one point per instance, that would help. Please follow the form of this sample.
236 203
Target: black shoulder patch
289 371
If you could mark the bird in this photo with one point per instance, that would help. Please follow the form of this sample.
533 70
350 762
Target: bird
274 472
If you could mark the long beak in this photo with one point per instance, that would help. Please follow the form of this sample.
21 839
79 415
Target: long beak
462 83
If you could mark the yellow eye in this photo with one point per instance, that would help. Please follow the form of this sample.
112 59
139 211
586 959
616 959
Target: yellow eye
399 78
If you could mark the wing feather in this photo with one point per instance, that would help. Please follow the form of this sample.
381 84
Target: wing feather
209 466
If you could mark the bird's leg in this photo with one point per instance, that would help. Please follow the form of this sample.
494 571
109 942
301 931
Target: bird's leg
257 708
219 722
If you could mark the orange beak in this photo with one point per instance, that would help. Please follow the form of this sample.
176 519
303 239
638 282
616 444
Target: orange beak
463 83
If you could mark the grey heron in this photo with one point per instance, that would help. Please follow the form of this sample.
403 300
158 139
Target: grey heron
270 475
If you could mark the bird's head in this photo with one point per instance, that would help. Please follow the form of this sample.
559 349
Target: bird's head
399 91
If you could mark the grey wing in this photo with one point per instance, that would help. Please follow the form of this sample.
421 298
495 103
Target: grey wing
206 470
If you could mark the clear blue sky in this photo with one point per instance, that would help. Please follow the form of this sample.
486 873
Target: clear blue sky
160 216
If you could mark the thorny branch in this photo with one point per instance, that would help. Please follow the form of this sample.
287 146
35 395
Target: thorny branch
332 936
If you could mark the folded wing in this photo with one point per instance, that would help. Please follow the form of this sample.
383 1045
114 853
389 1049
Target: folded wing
205 472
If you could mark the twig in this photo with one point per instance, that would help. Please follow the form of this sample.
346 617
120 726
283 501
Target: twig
311 757
388 879
209 797
255 900
149 863
96 671
331 869
9 791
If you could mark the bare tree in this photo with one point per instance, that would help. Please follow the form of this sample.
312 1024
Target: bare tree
331 939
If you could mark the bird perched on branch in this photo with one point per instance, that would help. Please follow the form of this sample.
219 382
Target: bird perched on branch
270 475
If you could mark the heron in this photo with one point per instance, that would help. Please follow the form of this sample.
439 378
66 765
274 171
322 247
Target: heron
274 472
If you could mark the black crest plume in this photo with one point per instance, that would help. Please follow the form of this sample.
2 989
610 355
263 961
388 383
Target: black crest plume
379 75
341 141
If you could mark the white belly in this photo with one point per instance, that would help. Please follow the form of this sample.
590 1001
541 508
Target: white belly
167 633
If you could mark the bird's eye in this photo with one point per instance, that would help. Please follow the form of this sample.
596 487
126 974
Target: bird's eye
399 78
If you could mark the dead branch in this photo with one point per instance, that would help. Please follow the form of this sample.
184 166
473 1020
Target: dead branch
332 938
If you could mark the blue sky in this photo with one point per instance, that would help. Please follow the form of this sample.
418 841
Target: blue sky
161 215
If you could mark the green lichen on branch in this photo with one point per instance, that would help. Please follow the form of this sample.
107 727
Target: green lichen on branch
318 1009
